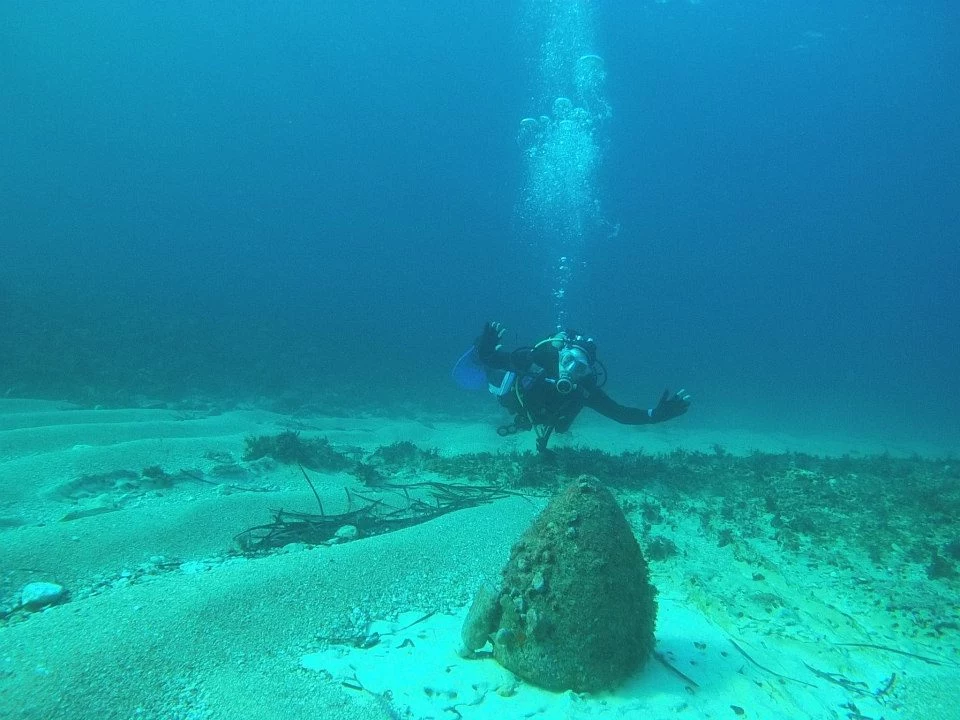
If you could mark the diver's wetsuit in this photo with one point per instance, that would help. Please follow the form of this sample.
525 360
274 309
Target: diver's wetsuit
541 404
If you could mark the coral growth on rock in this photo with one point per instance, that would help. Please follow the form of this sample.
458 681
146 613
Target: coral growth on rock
576 609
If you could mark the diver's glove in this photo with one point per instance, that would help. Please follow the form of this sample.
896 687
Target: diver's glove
670 406
490 339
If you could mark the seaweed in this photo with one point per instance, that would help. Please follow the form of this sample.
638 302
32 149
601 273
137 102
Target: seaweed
369 475
840 511
940 568
291 449
952 549
399 454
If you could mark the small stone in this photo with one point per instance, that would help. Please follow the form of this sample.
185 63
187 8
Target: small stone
38 595
346 533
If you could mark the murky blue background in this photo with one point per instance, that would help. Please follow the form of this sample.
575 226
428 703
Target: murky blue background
317 199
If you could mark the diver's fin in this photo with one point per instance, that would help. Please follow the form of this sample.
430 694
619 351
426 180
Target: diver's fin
469 373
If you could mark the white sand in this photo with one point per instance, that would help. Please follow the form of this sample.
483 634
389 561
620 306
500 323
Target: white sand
244 638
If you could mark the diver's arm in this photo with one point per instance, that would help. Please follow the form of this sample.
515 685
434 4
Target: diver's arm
608 407
517 361
669 407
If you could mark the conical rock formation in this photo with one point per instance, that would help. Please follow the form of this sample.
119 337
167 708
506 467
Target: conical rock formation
576 610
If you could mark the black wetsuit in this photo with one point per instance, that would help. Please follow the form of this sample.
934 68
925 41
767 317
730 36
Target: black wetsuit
540 403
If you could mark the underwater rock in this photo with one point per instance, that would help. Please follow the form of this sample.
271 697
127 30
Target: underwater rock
576 610
37 595
482 619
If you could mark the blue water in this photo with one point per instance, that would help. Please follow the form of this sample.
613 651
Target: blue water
302 199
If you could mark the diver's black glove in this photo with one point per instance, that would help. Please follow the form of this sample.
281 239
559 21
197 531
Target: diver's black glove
670 406
489 340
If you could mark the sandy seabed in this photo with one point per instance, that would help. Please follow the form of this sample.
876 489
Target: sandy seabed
164 618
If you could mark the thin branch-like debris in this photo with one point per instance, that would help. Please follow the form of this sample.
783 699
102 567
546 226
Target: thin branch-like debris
196 476
375 517
854 686
766 669
672 668
922 658
310 483
418 621
887 686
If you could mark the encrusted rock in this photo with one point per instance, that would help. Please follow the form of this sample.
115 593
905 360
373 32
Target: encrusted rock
576 610
482 619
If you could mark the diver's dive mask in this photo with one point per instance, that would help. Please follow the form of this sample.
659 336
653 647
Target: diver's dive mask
576 358
573 365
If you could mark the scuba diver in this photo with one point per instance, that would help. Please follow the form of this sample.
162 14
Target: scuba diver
545 386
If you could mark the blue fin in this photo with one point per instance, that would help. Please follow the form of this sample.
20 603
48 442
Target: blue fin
469 373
